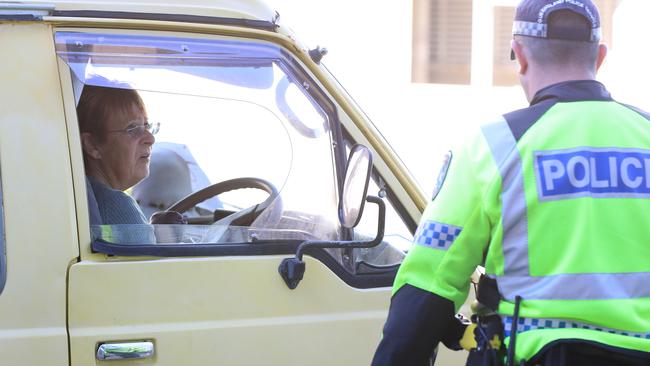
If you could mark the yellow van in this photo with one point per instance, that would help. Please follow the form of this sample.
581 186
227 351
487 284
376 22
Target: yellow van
254 141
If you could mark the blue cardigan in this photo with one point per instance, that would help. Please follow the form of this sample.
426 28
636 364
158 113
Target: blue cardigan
128 225
116 207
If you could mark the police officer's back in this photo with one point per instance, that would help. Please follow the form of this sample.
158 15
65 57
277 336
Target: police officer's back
554 201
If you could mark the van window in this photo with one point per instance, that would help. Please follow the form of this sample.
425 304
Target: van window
236 116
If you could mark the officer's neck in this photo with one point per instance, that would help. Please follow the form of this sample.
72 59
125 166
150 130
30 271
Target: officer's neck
538 79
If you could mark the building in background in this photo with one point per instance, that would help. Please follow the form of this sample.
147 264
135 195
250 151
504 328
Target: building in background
447 33
429 71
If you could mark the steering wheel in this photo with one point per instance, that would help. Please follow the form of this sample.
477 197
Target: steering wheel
243 217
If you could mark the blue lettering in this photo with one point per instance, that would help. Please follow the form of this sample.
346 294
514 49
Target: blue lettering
647 173
553 169
594 172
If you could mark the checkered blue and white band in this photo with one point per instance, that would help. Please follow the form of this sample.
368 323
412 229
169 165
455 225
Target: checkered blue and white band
532 29
436 235
525 324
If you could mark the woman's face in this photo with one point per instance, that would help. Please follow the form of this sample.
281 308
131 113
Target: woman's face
124 155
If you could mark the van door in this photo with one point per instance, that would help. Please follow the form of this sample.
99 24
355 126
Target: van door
38 233
241 119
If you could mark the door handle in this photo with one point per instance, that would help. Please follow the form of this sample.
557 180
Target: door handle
125 350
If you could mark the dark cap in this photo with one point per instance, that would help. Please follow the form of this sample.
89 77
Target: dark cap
531 19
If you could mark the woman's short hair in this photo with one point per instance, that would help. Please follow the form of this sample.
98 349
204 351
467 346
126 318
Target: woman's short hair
98 104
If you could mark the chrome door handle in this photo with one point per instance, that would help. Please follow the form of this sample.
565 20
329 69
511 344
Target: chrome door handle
125 350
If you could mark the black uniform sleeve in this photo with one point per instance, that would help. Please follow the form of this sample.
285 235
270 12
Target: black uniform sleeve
417 321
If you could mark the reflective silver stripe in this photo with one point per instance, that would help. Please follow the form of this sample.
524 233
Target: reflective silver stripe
513 198
587 286
517 279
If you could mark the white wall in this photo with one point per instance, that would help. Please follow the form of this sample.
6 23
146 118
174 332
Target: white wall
627 69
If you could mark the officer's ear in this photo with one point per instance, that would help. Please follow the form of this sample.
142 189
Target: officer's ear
602 53
522 60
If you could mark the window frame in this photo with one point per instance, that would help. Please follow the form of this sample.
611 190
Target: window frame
101 251
291 66
289 63
3 248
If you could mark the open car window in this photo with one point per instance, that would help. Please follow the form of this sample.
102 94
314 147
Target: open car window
229 111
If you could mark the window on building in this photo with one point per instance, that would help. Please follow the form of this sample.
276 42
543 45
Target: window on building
442 42
607 9
442 39
504 73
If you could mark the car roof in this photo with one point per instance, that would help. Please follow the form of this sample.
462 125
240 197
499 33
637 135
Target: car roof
236 9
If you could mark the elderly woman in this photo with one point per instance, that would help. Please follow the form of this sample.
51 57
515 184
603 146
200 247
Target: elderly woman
116 138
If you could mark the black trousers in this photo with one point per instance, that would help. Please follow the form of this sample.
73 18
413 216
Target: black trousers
580 353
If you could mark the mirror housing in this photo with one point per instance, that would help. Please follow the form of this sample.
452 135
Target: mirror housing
351 206
355 186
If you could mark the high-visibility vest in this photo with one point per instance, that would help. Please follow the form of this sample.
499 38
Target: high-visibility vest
554 201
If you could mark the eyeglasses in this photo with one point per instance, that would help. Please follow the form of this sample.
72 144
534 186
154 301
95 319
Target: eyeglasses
137 131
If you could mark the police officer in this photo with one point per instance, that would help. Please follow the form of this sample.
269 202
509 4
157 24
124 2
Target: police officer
554 201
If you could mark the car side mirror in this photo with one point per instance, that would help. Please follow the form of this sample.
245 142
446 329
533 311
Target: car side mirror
351 204
355 186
